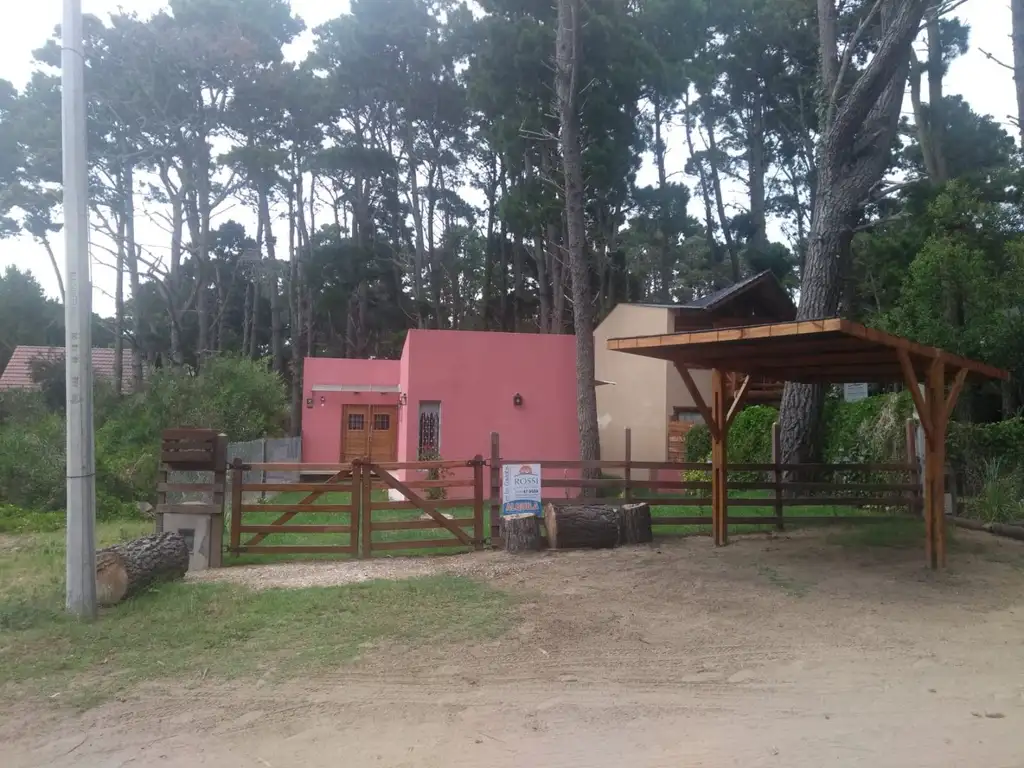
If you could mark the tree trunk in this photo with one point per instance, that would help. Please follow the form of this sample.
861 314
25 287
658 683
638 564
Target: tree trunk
126 569
590 526
705 187
858 129
716 185
134 281
520 534
666 261
636 524
1017 14
757 169
566 86
295 303
119 292
936 101
273 285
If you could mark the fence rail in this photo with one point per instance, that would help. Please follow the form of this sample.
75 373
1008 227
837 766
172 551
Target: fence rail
366 508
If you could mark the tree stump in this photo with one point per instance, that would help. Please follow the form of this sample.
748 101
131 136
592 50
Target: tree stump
125 569
520 534
636 524
586 526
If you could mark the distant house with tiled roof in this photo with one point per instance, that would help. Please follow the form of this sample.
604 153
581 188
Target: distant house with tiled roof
18 373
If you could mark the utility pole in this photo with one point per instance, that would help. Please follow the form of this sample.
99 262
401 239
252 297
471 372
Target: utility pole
81 466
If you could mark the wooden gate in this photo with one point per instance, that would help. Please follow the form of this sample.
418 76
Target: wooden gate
397 530
301 517
341 512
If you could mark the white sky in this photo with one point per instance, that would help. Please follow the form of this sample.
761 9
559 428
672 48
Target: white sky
986 85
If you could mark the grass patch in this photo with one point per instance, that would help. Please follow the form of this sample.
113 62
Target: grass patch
790 586
893 534
767 511
188 630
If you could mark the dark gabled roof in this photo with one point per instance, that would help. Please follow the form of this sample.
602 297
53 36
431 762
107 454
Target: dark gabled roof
764 282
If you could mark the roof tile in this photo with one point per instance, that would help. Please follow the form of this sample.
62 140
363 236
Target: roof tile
18 374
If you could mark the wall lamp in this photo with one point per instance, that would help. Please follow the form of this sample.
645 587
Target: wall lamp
517 400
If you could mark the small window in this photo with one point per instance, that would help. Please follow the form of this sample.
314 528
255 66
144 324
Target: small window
355 422
382 422
430 430
687 415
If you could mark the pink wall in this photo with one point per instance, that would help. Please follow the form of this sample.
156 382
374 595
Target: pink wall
321 424
475 375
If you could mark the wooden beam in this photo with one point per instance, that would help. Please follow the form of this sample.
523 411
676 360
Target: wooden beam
910 379
719 461
698 400
935 469
737 401
772 338
954 392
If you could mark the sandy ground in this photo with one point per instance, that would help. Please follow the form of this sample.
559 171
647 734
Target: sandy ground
772 652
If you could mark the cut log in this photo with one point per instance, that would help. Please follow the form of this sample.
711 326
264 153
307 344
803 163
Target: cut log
126 569
586 526
636 524
520 534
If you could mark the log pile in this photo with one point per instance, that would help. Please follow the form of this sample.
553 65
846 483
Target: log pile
126 569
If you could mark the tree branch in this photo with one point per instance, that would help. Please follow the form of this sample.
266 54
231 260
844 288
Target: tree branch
995 60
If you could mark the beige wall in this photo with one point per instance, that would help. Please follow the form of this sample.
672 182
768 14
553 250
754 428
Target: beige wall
645 390
637 398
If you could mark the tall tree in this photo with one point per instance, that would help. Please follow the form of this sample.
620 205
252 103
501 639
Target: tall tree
567 89
860 111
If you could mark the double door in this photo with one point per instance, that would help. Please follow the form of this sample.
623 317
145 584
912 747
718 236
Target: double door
369 431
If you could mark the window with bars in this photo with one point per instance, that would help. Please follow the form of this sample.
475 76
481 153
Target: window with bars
382 421
355 422
430 430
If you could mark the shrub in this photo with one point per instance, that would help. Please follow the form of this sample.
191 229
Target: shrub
1000 494
698 444
869 431
237 396
972 447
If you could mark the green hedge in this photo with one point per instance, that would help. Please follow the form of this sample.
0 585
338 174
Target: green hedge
869 431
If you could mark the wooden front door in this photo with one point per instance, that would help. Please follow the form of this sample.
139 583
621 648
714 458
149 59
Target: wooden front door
369 431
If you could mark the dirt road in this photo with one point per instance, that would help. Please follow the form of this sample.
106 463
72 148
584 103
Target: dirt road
791 652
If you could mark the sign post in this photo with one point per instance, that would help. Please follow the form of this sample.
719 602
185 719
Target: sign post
521 491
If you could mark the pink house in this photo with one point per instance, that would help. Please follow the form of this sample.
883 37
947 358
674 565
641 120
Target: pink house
445 396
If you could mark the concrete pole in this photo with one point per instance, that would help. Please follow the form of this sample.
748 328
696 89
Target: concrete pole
81 468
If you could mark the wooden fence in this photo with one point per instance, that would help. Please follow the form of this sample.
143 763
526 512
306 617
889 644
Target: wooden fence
775 485
442 504
370 521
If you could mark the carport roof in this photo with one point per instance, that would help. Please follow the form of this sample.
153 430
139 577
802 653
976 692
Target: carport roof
814 351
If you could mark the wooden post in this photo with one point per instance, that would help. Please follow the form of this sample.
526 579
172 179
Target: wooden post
478 502
236 504
366 502
777 461
628 491
719 480
495 462
936 464
356 502
915 475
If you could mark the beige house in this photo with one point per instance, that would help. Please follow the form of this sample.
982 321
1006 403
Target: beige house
648 395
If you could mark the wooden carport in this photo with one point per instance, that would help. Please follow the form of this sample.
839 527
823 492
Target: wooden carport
833 351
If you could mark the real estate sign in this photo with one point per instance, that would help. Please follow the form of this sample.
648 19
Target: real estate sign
520 490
